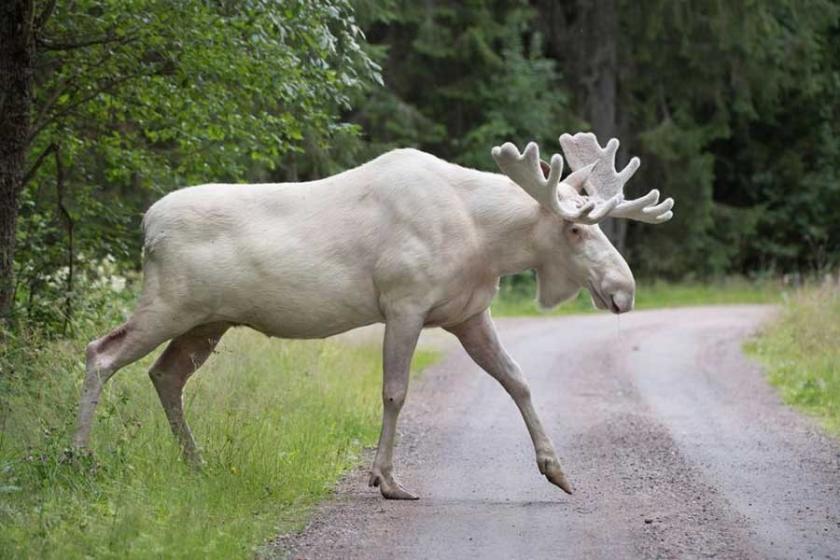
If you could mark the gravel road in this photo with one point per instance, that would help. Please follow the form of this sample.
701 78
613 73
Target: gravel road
675 445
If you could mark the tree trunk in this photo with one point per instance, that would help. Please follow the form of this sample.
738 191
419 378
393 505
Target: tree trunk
16 53
583 38
599 81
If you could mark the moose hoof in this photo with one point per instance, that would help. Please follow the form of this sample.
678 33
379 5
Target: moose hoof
552 471
390 488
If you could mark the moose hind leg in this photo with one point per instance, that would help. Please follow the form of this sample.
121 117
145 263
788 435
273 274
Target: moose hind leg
182 357
141 334
400 340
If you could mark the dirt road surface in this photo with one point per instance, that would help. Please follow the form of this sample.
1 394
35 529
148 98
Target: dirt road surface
675 444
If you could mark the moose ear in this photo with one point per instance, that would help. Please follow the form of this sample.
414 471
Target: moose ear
546 168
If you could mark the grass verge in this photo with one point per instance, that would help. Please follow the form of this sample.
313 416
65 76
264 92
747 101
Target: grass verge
801 355
279 422
519 301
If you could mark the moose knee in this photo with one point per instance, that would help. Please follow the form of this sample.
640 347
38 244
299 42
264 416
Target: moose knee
98 365
95 359
393 398
102 354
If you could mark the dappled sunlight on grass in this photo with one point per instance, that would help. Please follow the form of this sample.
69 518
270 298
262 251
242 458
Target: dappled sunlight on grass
279 422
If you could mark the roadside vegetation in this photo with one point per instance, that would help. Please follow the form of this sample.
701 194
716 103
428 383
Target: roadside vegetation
517 297
801 353
279 422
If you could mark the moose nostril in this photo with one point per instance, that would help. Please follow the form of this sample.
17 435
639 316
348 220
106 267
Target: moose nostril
621 302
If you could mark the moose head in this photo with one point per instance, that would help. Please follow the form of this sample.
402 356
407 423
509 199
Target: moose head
575 252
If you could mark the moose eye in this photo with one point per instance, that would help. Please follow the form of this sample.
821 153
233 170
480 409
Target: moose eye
575 230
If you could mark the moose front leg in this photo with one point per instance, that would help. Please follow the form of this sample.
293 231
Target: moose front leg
478 337
401 336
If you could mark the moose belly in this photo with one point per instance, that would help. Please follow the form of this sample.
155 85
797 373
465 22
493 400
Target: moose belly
274 296
285 323
287 310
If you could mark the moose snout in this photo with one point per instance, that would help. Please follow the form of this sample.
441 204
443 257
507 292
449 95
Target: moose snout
621 301
613 295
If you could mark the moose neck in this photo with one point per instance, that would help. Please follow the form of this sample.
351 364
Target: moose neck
511 223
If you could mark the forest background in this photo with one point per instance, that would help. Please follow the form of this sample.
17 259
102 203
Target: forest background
733 107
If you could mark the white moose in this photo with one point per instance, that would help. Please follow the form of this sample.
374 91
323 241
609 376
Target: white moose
406 239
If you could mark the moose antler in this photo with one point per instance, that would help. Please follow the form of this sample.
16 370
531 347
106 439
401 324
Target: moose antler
527 171
605 183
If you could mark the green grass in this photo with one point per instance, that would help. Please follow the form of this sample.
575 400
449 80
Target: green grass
512 302
279 422
801 353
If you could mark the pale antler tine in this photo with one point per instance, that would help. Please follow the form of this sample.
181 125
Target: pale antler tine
525 169
573 214
604 209
589 217
610 149
506 151
587 207
664 217
643 201
556 169
532 153
625 174
660 208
